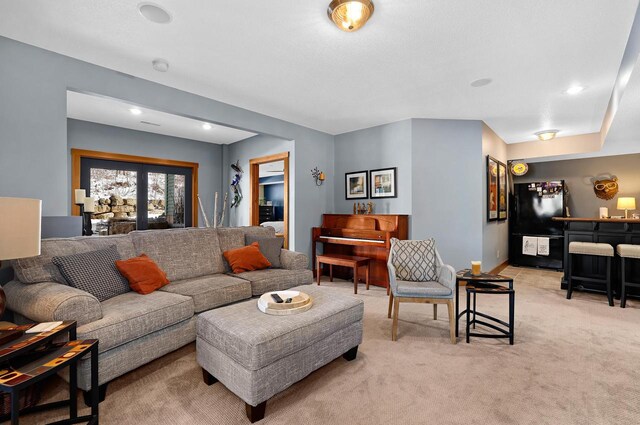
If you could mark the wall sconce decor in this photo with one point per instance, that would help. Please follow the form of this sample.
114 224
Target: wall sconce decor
318 176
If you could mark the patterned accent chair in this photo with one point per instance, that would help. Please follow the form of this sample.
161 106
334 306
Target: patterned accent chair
418 275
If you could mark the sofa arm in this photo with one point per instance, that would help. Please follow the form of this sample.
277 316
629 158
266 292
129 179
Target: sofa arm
51 301
447 276
292 260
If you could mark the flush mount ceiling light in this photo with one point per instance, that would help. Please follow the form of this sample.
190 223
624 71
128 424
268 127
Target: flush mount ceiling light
350 15
206 126
481 82
135 111
154 13
545 135
575 90
160 65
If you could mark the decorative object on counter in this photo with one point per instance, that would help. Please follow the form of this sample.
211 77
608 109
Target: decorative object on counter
626 204
518 168
370 207
356 185
19 231
604 212
383 183
235 184
636 216
606 188
318 176
476 268
492 188
363 208
502 191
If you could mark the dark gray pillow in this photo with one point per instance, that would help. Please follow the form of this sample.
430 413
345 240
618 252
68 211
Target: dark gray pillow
94 272
269 247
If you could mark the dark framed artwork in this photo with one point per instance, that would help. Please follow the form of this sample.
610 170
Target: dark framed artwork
356 185
502 191
492 188
383 183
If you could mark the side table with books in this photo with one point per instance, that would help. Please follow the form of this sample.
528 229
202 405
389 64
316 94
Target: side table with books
31 353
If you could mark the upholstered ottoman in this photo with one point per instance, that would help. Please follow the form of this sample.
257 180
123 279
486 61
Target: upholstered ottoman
256 355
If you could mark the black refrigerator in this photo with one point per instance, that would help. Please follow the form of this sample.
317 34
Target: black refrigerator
532 206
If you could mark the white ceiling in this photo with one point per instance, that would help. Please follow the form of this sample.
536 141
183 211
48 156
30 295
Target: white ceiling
415 58
117 113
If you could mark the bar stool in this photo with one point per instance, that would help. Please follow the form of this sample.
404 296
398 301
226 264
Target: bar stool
591 249
627 252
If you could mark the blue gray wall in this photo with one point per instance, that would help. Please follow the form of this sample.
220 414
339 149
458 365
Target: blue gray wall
447 187
383 146
33 123
105 138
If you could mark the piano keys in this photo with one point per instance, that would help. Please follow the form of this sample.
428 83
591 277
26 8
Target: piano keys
363 236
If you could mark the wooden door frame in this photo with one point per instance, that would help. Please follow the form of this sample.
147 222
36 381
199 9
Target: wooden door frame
254 190
78 154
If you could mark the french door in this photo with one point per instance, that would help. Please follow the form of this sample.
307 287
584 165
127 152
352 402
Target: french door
130 195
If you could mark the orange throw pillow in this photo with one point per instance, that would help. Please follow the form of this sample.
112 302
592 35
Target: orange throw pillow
246 258
143 274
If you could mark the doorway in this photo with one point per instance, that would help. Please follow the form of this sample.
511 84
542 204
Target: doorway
269 193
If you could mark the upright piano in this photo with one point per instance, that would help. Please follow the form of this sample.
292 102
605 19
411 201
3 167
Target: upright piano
363 236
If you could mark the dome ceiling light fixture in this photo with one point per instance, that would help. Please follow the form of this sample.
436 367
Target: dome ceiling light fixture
545 135
350 15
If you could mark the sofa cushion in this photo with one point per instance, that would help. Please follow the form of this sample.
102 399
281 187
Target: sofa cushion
211 291
269 247
276 279
131 316
143 274
41 269
181 253
256 340
94 272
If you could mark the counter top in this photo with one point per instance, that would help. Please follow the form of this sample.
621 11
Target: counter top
597 220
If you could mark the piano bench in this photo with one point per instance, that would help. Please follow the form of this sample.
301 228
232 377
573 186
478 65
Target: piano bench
344 261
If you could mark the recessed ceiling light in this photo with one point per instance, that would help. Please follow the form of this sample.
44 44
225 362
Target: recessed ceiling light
135 111
160 65
481 82
574 89
350 15
154 13
545 135
206 126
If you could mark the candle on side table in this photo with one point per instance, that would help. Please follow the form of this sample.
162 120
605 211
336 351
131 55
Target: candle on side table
476 268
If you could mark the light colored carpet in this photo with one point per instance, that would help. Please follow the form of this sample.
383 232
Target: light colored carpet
574 362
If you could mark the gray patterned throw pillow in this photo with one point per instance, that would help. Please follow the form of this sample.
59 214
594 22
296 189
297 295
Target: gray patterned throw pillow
269 247
415 261
94 272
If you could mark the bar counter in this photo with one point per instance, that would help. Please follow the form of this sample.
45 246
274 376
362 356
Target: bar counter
613 231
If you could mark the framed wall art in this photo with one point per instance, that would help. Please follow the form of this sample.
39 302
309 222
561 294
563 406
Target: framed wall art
383 183
492 188
502 191
356 185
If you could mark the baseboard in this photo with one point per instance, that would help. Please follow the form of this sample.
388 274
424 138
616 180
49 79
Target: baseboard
500 267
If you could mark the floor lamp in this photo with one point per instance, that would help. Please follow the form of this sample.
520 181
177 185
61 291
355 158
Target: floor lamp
20 220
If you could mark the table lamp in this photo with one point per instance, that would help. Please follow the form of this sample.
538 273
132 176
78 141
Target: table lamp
626 204
19 231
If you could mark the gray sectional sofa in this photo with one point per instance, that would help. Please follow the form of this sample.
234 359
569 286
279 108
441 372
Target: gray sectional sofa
134 329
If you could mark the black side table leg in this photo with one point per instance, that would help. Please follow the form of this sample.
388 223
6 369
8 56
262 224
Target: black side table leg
474 310
512 313
457 305
95 398
468 314
15 407
73 390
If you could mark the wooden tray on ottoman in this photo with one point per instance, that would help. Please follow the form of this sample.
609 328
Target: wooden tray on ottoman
300 302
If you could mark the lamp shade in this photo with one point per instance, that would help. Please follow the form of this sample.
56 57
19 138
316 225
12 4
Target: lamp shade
19 227
626 203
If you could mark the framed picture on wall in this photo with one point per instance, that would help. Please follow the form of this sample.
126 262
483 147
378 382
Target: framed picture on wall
356 185
502 191
492 188
383 183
